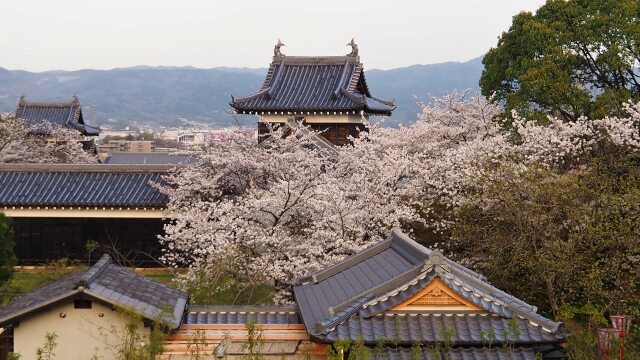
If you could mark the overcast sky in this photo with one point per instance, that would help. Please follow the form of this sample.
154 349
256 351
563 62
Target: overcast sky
39 35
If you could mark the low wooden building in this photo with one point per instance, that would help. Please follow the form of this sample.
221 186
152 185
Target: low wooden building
56 209
396 300
87 311
327 93
402 294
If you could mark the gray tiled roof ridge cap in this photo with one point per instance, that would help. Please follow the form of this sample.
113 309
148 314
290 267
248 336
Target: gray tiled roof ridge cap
260 308
42 104
517 306
93 272
341 316
344 264
315 60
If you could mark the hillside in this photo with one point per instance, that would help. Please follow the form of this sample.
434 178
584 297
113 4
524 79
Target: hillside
160 95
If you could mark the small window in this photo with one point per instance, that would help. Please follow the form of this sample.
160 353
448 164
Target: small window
82 304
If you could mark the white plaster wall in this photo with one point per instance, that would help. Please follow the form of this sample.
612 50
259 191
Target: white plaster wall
81 334
330 119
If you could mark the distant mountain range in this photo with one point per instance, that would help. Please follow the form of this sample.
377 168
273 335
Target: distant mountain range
160 95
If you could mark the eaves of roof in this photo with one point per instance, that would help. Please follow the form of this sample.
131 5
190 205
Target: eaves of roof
314 292
298 85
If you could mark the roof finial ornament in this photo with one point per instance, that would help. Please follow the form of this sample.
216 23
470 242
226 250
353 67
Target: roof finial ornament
276 49
354 48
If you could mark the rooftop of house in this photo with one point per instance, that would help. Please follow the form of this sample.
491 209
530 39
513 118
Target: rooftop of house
82 185
402 290
227 331
67 114
108 283
314 84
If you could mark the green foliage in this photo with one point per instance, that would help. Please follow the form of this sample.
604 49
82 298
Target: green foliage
218 284
558 238
7 258
255 341
572 58
12 355
46 351
448 334
359 351
416 351
379 351
91 246
511 333
132 344
487 338
197 345
338 349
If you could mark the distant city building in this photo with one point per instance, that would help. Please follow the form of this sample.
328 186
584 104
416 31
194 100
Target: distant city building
327 93
192 137
152 158
127 146
67 114
119 133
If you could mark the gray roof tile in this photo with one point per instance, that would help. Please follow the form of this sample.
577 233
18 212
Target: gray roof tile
107 282
239 314
354 298
467 329
306 84
67 114
520 353
81 185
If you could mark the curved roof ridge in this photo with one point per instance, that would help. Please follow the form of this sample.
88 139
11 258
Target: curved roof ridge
343 315
93 272
513 305
249 97
312 84
344 264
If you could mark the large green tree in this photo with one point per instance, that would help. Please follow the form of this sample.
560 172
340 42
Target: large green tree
571 58
559 239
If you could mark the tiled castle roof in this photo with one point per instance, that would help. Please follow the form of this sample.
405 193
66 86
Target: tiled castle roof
67 114
307 85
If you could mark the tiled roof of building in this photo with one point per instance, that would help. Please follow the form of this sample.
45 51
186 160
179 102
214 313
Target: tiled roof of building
465 329
226 329
357 297
57 113
457 354
306 85
106 282
92 185
239 314
153 158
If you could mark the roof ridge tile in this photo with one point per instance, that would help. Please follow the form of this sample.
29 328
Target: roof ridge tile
93 272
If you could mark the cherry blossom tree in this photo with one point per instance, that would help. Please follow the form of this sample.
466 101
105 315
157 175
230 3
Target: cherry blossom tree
40 143
283 209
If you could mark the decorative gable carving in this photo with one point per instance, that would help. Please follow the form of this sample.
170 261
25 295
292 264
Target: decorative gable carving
437 296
